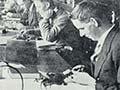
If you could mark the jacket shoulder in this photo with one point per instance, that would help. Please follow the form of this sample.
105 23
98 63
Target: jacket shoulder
116 40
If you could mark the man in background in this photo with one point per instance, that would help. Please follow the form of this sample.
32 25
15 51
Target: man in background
13 8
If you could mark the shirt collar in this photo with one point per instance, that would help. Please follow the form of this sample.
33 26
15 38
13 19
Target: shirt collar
100 43
103 37
55 9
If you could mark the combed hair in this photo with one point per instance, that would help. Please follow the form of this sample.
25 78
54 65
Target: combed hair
27 0
51 3
87 9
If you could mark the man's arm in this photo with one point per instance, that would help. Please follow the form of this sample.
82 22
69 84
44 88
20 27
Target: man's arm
49 31
116 59
33 19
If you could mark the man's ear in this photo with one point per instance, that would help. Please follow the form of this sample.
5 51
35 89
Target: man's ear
47 5
94 21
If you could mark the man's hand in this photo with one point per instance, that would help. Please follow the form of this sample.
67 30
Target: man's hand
46 14
29 35
80 77
78 68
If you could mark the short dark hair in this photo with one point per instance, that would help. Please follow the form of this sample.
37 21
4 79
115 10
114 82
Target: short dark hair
51 3
27 0
87 9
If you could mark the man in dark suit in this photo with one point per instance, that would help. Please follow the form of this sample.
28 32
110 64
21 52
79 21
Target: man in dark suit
113 4
97 21
56 26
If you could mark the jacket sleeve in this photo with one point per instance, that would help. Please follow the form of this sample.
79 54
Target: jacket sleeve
116 59
33 20
50 31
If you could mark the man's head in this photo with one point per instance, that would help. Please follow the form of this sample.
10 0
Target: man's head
92 19
45 7
27 3
13 5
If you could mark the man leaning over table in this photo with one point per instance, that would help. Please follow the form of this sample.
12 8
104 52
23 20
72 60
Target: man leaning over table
55 26
97 21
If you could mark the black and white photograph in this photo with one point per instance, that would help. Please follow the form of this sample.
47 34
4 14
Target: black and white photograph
59 44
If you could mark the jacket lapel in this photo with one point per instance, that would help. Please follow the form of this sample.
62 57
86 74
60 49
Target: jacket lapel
105 50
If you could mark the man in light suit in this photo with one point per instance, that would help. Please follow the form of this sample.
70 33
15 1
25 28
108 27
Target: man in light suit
97 21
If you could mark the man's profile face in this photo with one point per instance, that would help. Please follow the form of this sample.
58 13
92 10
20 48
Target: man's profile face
43 10
41 6
86 29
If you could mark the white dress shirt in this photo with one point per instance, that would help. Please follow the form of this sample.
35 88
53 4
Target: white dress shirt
100 44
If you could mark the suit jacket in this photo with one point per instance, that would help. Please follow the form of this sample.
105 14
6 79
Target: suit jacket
60 29
107 67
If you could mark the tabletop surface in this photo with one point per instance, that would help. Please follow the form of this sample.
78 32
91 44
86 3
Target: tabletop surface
30 84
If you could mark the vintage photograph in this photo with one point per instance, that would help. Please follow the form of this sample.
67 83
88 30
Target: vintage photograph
59 45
